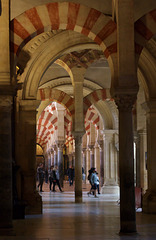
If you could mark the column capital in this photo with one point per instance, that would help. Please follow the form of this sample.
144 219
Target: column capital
108 135
60 144
78 139
91 147
100 143
83 150
125 102
77 72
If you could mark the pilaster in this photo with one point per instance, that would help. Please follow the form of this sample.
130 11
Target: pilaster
78 167
101 148
142 142
78 129
60 145
6 201
92 159
149 199
26 156
84 161
126 163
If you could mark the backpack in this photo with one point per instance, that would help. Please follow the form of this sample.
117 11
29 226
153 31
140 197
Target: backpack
89 175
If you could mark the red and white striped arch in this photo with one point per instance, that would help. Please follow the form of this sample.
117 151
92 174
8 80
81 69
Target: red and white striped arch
94 97
46 125
91 116
64 15
43 135
47 119
58 96
68 128
145 29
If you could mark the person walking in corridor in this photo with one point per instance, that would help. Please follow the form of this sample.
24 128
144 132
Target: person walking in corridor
56 179
71 174
52 176
94 182
40 173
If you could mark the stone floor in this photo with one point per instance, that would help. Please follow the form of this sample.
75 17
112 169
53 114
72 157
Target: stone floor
94 219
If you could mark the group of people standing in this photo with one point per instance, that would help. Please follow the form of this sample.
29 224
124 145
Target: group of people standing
94 182
53 175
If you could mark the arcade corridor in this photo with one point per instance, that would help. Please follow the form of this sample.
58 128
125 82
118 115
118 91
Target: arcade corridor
78 88
93 219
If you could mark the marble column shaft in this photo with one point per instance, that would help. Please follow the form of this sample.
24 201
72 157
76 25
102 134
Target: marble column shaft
6 101
78 168
78 128
126 164
87 161
101 163
55 158
6 200
110 171
60 162
149 199
26 156
142 160
84 160
125 91
92 160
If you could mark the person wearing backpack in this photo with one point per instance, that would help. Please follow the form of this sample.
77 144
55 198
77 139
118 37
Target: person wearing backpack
94 182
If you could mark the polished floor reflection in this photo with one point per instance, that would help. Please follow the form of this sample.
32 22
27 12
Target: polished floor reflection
94 219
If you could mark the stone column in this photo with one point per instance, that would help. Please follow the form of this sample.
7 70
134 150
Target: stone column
26 156
92 160
46 158
5 44
87 161
60 164
97 158
101 163
142 160
6 101
136 161
110 165
71 159
49 159
84 163
52 157
6 200
78 129
84 160
55 156
124 90
78 168
126 163
149 199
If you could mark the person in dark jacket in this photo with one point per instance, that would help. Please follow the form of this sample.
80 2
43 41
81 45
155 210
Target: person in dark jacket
71 174
56 179
40 172
52 177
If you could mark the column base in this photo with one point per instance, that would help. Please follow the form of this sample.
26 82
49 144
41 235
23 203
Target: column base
78 199
128 228
149 202
110 190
